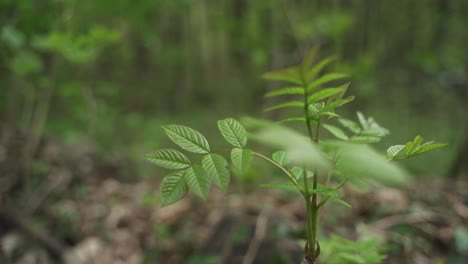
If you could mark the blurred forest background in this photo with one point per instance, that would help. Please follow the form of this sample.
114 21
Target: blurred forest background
85 86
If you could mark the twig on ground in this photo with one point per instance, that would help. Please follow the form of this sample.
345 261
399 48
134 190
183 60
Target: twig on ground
259 235
54 246
458 207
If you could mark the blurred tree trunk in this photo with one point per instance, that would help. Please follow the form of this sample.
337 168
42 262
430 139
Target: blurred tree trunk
12 107
460 165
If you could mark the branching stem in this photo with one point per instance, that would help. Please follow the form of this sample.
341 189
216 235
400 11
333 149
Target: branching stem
311 204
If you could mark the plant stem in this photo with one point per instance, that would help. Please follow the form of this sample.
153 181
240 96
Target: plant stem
313 214
311 205
310 227
291 178
277 165
315 207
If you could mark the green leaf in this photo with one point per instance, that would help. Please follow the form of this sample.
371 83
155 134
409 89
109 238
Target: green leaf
325 79
367 132
286 90
339 102
362 120
370 127
307 61
339 96
291 75
197 181
173 188
216 167
241 159
360 163
428 146
352 258
12 37
339 201
375 131
412 148
322 94
280 157
187 138
365 139
297 172
169 159
336 131
396 152
351 125
330 114
255 123
337 250
292 119
316 108
314 71
325 191
285 105
283 186
233 132
460 238
300 150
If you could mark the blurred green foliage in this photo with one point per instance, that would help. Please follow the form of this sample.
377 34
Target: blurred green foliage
338 250
113 71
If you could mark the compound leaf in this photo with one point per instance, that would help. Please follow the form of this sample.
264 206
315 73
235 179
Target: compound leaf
169 159
412 148
187 138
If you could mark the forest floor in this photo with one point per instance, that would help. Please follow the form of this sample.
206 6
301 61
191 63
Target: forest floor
70 204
